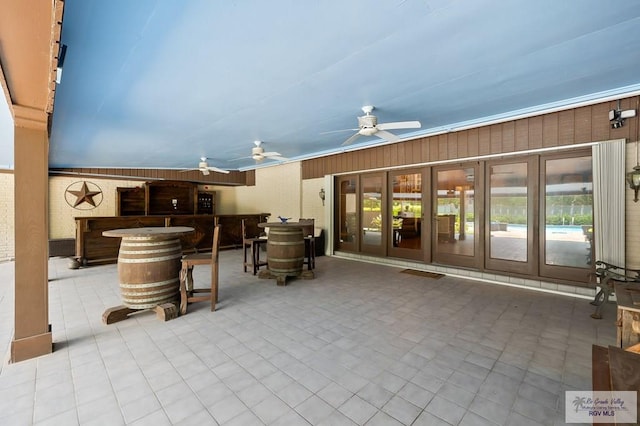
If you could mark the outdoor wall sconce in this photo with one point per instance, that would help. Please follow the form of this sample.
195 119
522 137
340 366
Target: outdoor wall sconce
322 195
633 177
174 201
617 116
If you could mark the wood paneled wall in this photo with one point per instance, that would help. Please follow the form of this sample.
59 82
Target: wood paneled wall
569 127
233 178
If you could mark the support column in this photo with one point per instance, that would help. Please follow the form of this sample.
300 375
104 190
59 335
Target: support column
32 335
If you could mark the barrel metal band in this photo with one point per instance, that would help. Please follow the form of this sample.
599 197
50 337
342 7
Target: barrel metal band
147 241
149 259
148 293
285 259
165 250
154 284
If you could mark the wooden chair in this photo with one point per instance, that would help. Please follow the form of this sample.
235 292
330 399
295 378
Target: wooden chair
188 293
253 245
308 232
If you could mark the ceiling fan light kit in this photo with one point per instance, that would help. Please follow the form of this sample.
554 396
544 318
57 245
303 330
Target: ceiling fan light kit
368 126
205 168
258 154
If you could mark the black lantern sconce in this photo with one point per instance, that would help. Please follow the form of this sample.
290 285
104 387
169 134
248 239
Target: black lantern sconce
633 177
322 195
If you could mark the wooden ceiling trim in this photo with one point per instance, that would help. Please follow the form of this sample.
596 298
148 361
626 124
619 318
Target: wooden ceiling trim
27 54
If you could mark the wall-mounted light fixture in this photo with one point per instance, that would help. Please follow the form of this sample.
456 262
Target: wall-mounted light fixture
617 116
633 177
61 54
174 201
322 195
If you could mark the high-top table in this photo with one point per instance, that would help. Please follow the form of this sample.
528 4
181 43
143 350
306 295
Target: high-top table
285 252
148 271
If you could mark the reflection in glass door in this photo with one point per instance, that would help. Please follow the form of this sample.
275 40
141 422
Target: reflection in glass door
567 226
373 217
456 223
405 233
347 213
510 223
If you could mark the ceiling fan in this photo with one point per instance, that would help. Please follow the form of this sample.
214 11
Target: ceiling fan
258 154
205 168
368 126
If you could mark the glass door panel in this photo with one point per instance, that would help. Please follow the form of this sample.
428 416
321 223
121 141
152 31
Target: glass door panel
405 232
567 225
373 218
456 228
347 213
510 224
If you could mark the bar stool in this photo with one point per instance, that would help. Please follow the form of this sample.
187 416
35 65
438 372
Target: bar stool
253 245
308 232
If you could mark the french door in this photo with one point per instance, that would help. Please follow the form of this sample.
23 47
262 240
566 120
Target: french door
527 216
511 222
361 218
566 218
457 215
374 218
406 231
347 235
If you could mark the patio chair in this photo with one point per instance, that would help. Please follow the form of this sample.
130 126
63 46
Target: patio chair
190 294
604 276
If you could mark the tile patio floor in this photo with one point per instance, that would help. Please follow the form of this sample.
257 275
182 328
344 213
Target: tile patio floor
362 344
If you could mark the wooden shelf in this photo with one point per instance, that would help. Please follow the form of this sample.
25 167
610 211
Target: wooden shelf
164 198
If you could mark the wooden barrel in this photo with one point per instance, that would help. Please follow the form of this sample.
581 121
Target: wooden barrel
285 251
149 270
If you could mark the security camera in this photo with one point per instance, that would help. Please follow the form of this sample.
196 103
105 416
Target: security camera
616 124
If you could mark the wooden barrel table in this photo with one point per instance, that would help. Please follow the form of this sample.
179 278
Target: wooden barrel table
285 252
149 262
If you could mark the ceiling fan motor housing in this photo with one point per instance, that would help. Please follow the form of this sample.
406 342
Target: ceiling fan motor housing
367 124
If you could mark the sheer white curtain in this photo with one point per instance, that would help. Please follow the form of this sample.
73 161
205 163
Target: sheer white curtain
609 201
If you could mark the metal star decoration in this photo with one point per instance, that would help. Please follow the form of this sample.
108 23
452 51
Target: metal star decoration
84 195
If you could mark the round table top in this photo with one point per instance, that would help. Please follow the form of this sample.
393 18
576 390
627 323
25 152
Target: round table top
150 231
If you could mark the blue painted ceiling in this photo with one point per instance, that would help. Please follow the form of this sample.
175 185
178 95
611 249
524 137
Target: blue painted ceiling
161 83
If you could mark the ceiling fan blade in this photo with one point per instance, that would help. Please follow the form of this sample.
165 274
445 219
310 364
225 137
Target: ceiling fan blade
205 171
215 169
270 154
276 157
383 134
337 131
351 139
399 125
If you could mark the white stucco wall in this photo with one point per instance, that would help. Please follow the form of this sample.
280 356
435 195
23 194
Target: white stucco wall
277 191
